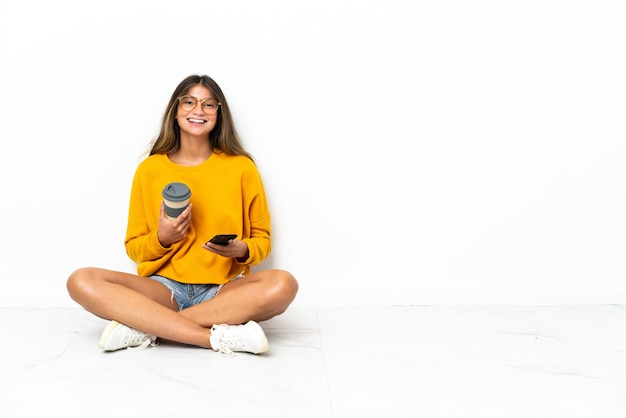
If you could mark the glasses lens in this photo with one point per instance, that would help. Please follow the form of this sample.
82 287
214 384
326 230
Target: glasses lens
187 103
209 105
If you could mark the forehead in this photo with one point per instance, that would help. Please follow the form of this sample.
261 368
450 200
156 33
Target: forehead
200 92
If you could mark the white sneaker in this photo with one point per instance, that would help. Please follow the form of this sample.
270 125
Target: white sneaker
117 336
249 338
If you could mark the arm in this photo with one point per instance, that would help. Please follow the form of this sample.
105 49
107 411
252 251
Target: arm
142 241
257 227
255 243
150 234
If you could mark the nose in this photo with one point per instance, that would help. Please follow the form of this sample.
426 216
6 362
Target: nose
197 109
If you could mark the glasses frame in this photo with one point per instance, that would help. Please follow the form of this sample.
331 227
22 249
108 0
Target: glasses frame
201 101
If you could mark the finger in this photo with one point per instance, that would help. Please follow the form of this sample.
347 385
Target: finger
209 247
184 219
187 212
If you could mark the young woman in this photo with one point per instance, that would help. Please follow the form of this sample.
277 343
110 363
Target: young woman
187 289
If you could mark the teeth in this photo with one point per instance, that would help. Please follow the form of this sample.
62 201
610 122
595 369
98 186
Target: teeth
196 120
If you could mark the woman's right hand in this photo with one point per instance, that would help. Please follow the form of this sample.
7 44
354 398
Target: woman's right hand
173 230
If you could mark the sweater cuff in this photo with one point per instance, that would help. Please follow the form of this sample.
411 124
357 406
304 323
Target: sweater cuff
155 245
248 260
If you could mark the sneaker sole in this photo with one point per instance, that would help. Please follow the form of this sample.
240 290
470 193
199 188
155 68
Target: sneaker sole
105 335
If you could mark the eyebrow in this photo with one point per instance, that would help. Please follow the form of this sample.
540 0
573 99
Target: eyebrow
197 98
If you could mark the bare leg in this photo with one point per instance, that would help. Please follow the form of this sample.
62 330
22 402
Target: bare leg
257 297
138 302
146 305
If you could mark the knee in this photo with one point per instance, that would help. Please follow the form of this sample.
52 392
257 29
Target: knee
79 282
285 285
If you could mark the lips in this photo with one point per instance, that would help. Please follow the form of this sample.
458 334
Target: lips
200 121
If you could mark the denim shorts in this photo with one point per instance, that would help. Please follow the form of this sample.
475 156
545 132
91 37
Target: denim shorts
187 295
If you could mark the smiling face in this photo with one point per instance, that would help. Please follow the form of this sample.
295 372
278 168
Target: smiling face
196 122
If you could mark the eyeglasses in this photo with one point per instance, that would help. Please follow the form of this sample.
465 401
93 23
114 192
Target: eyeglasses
189 103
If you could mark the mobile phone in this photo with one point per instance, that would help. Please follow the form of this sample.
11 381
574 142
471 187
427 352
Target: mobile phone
222 239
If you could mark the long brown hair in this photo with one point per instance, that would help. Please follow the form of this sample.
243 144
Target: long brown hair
223 138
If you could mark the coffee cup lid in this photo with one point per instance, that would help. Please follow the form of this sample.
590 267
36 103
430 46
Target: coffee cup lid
176 192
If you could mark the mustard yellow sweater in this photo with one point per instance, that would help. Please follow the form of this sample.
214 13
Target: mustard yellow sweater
228 198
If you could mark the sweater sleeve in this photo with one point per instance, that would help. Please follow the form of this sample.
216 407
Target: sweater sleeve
257 226
142 243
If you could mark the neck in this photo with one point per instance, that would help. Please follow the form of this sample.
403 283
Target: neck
193 151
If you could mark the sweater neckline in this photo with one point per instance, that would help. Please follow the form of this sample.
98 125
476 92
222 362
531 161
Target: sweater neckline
166 160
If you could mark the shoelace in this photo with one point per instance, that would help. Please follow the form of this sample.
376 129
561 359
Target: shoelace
147 343
225 343
226 352
137 336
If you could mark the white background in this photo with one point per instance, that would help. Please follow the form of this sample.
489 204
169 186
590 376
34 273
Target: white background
414 152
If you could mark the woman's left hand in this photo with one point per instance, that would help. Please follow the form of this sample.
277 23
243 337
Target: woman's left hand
235 249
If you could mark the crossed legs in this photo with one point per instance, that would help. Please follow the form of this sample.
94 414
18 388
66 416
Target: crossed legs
146 305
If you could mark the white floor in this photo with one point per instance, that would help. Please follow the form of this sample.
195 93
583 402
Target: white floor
414 361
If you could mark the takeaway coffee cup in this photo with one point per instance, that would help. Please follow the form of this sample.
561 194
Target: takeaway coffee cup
176 197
